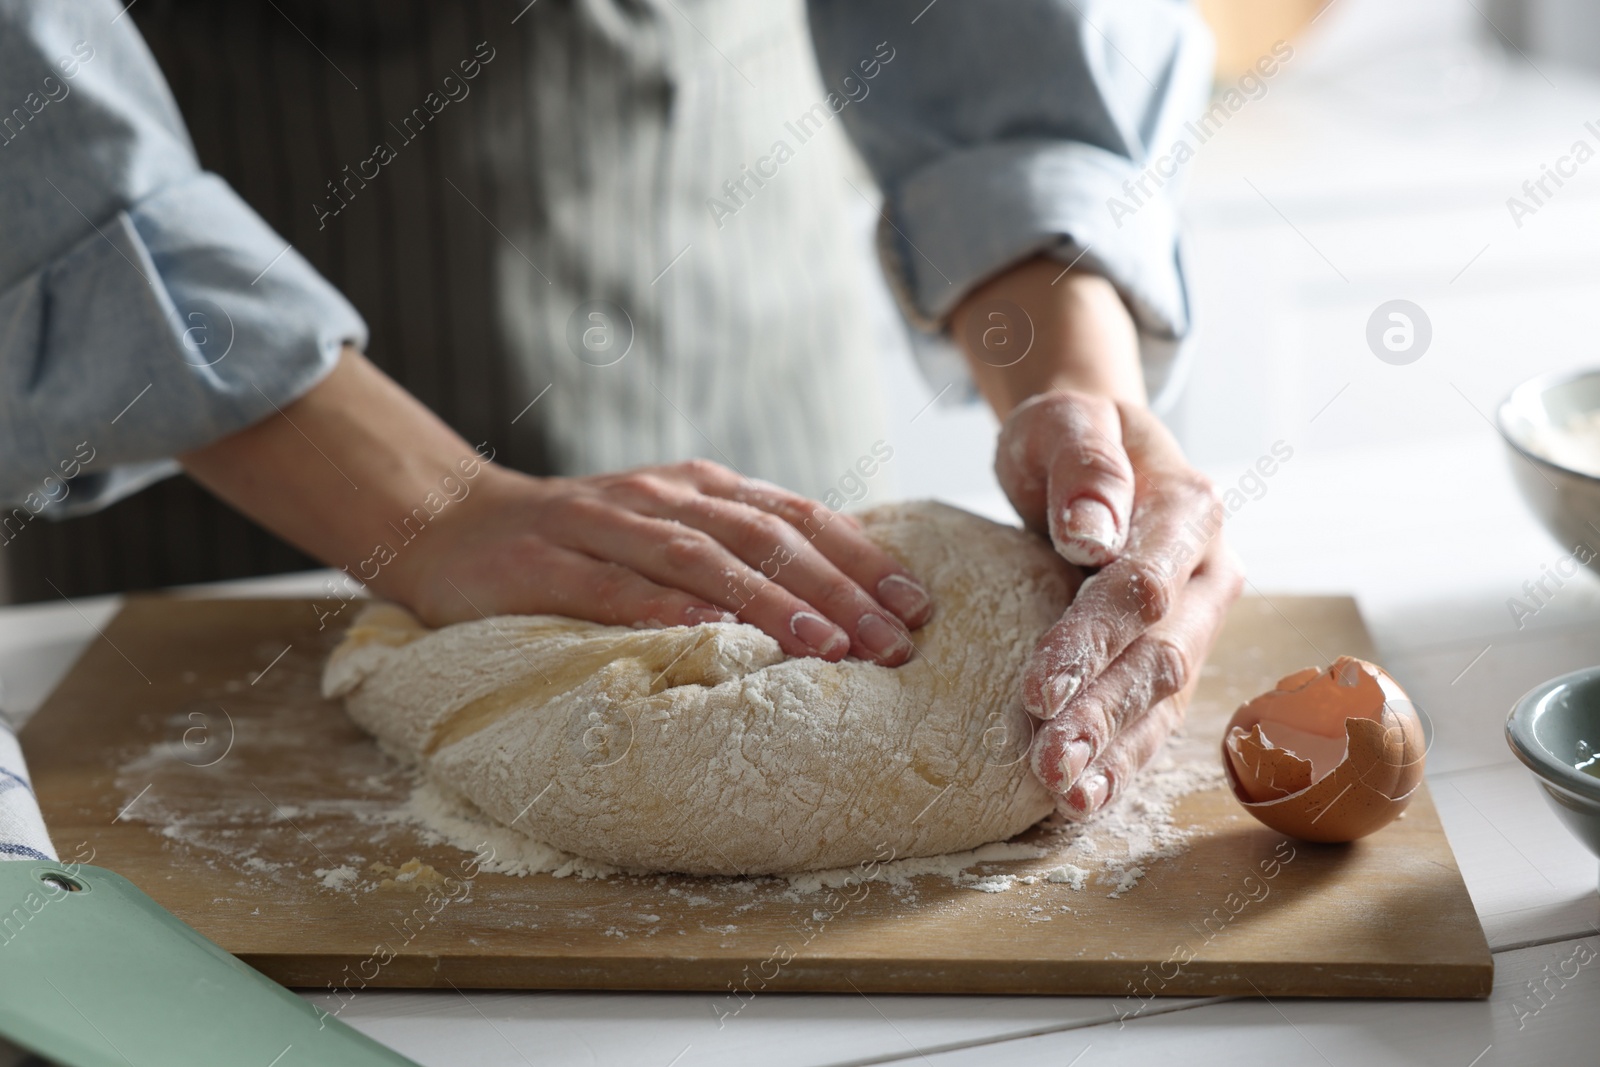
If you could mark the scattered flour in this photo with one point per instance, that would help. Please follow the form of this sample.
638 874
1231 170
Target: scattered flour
343 877
692 899
1070 875
1130 878
900 872
991 883
1116 848
450 818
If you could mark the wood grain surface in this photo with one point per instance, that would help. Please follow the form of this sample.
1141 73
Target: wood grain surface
190 751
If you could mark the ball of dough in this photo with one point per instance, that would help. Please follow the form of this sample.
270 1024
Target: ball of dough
703 749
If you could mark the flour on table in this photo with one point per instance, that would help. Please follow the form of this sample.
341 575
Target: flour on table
990 883
341 877
1068 874
1113 850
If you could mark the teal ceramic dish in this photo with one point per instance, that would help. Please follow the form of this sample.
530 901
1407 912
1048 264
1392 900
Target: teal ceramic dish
1544 730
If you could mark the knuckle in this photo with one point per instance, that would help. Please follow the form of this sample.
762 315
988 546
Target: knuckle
1227 560
1235 583
703 471
758 539
1095 626
613 586
1232 576
640 485
791 511
1097 457
1118 767
847 596
1098 631
1150 589
760 529
1172 665
1070 405
687 551
1040 418
1096 720
588 511
1205 492
664 607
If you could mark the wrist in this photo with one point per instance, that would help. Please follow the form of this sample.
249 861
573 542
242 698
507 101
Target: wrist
405 563
353 472
1038 328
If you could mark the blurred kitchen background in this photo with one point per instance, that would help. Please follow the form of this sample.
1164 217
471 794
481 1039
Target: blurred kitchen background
1375 165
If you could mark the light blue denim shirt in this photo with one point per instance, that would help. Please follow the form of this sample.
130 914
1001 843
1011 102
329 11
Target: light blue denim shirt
1028 127
145 309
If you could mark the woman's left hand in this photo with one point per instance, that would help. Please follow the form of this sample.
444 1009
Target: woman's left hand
1108 484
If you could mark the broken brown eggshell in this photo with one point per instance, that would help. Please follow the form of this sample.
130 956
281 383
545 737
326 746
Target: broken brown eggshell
1327 755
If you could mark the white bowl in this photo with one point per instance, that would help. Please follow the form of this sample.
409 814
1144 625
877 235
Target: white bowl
1566 500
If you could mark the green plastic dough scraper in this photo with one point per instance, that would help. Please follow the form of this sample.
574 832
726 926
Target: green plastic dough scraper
93 973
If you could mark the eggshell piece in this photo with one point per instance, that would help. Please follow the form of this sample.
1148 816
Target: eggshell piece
1262 770
1326 755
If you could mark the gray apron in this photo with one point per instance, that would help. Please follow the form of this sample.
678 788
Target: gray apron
591 253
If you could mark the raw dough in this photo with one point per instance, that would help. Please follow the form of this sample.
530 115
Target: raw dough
703 749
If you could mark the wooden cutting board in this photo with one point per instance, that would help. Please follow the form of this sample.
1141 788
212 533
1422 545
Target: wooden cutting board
190 750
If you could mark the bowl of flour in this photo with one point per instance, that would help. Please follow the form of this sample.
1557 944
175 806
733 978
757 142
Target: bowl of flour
1551 425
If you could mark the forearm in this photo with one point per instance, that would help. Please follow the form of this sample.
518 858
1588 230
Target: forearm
356 470
338 471
1083 336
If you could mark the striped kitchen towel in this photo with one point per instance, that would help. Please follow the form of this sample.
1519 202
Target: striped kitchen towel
22 833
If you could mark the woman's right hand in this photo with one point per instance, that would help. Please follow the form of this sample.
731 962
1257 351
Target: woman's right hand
351 464
671 545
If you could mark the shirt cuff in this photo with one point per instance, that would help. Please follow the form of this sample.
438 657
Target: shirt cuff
177 322
952 225
969 215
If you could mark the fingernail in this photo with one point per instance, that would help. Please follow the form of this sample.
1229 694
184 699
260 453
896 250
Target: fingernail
1091 533
820 635
904 596
1089 795
1063 688
1077 757
1090 520
880 637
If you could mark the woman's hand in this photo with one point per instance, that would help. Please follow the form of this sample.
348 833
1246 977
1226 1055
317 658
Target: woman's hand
1109 486
667 546
1086 464
346 470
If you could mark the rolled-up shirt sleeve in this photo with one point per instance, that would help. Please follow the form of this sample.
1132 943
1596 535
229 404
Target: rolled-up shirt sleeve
1001 131
145 309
